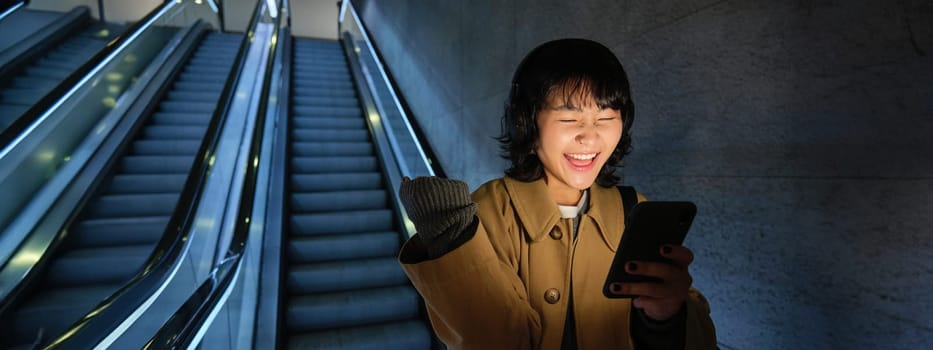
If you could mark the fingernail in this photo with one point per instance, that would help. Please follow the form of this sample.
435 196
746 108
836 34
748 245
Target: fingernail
666 249
632 266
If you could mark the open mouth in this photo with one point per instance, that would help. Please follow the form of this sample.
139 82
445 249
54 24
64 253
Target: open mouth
581 161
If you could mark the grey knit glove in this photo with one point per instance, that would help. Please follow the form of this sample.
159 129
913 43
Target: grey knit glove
441 210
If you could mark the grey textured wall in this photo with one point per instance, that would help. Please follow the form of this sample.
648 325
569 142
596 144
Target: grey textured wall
801 128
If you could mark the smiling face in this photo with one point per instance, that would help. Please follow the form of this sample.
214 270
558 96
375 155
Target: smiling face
576 138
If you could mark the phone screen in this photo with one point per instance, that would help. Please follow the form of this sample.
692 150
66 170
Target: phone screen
650 225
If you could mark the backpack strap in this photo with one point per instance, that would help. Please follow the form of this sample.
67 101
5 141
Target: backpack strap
629 199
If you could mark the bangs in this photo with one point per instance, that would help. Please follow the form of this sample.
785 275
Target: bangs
579 91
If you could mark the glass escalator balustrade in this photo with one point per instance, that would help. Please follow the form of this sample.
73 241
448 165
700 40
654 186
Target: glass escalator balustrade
120 226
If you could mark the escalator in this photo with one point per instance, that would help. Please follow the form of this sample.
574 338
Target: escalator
119 227
25 84
342 285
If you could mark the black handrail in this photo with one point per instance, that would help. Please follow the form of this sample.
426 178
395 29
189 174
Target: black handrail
179 331
114 309
4 6
36 111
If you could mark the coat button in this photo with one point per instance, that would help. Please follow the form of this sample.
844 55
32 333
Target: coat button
555 234
552 296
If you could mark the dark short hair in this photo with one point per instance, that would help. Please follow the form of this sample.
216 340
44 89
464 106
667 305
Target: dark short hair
566 68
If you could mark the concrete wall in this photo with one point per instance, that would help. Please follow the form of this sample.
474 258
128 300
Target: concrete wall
800 128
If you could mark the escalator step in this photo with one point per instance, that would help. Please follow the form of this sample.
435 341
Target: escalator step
123 205
103 265
174 132
330 135
305 91
326 101
177 95
336 182
118 231
187 107
146 183
48 72
312 165
389 336
198 85
339 247
21 96
181 118
345 275
22 82
321 111
359 307
328 123
337 201
166 147
155 164
337 150
342 222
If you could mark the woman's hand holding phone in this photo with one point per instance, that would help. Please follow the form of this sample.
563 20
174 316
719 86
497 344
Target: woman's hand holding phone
661 300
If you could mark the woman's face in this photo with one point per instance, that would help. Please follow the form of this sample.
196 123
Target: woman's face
576 138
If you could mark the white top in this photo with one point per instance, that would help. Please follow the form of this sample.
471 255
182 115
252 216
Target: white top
571 211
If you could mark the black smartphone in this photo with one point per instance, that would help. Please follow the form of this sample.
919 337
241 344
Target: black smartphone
650 225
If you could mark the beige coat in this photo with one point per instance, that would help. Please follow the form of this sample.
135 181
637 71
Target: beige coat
506 288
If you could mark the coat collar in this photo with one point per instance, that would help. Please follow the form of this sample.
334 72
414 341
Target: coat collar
538 212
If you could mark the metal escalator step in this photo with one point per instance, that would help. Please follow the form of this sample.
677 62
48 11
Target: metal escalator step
146 183
337 201
329 74
53 310
123 205
335 276
336 182
21 96
389 336
198 85
25 82
118 231
330 135
331 149
167 147
323 92
9 113
156 164
359 307
341 247
327 123
176 95
181 118
342 222
342 101
204 68
102 265
317 165
187 106
48 72
47 62
328 111
174 132
323 84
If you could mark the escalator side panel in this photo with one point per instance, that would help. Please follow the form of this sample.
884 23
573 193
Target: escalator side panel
118 229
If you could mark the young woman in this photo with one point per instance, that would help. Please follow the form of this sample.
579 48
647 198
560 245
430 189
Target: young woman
521 264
